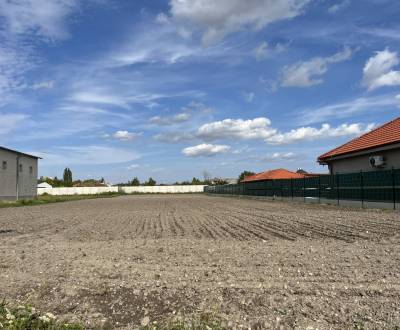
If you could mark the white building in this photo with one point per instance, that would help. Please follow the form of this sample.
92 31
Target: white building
18 175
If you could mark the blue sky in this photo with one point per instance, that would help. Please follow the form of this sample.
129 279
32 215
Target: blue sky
170 89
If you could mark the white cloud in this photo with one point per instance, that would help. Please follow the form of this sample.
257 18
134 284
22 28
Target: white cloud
263 50
207 150
378 71
87 155
9 122
44 85
308 73
219 18
44 18
133 167
338 6
258 128
398 99
176 119
312 133
125 135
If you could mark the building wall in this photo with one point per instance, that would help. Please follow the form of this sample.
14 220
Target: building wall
8 176
361 163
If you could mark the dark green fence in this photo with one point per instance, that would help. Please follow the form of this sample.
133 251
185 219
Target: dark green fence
377 186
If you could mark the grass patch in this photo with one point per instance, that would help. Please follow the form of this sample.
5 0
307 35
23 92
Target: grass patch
27 317
46 199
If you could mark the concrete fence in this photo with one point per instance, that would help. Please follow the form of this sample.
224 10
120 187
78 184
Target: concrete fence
127 190
76 191
163 189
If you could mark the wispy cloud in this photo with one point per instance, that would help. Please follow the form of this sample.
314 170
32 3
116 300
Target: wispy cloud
340 5
44 18
264 50
174 137
86 155
175 119
346 109
220 18
44 84
9 122
126 135
309 73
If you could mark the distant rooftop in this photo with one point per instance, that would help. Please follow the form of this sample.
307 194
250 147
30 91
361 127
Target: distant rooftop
279 173
384 135
19 153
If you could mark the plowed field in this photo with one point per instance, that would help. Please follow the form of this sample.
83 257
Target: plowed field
115 262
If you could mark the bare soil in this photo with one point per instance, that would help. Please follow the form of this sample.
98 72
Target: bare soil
114 262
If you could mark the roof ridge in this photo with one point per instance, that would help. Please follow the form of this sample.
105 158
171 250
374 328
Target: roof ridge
359 137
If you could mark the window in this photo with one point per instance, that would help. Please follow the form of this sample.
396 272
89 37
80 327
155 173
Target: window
20 167
4 166
30 169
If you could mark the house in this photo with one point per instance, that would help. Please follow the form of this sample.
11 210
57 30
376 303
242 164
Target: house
18 175
274 175
376 150
44 185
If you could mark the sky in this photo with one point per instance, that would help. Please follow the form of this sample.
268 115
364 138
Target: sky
172 89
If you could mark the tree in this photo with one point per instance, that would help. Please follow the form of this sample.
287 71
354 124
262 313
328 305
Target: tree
220 181
207 178
245 174
135 182
196 181
150 182
67 177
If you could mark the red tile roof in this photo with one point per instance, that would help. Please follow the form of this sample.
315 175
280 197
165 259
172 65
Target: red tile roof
273 175
386 134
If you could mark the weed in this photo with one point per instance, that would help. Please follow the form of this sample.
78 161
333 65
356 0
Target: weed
27 317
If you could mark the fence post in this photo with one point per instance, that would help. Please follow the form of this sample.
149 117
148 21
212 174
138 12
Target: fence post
273 189
319 189
394 189
337 188
362 188
291 188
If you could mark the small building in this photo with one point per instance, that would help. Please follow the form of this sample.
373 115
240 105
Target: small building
44 185
279 173
376 150
18 175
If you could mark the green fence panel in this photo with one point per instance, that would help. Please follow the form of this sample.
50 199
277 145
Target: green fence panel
378 186
350 186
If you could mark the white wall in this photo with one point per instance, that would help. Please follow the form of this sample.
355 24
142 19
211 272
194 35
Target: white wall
128 190
163 189
76 190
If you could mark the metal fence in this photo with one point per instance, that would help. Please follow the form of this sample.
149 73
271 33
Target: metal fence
376 186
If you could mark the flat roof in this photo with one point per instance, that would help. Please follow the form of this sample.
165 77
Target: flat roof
19 153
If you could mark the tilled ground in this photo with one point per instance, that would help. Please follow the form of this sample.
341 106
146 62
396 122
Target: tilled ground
118 261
